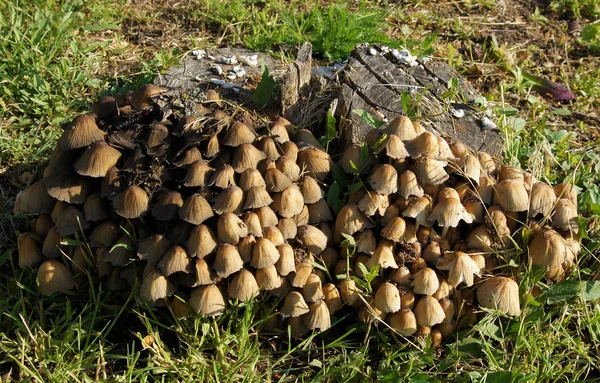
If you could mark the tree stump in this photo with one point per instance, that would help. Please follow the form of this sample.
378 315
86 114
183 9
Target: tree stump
373 80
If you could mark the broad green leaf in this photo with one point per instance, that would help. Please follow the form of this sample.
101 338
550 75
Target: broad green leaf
333 194
368 118
562 291
264 91
562 112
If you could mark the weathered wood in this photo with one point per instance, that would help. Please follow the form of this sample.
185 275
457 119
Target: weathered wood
378 82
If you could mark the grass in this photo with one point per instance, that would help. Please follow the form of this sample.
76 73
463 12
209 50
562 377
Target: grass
57 56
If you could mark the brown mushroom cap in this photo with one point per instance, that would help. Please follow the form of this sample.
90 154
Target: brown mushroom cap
500 293
82 132
132 202
54 277
207 300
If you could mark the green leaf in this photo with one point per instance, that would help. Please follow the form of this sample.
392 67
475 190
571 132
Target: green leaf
355 187
340 176
330 132
333 194
349 239
339 204
499 377
368 118
590 32
509 111
562 112
562 291
364 154
264 91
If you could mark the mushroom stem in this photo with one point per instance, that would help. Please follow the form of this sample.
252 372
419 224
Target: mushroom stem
417 226
445 231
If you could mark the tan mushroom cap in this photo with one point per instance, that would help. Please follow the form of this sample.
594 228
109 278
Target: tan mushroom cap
227 261
500 293
198 174
54 277
429 312
223 177
68 187
316 162
257 196
387 298
318 316
174 260
156 286
294 305
246 157
404 321
207 300
195 209
230 200
29 252
350 220
402 127
243 286
97 159
264 254
289 202
153 248
565 216
384 179
132 202
462 268
34 200
82 132
543 199
230 228
511 195
237 134
426 281
251 178
276 181
167 208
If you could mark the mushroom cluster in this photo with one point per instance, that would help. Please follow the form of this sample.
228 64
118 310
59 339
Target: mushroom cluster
208 204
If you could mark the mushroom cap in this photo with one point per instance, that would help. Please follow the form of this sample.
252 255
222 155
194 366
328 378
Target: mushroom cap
251 178
387 298
511 195
230 200
311 191
34 200
402 127
257 196
373 203
132 202
289 202
316 162
156 286
230 228
449 212
294 305
500 293
264 254
29 252
82 132
462 268
167 207
393 147
207 300
429 312
246 157
174 260
268 279
404 321
54 277
237 134
195 209
565 216
223 177
384 179
408 185
68 187
543 199
97 159
312 238
548 249
227 261
350 220
312 290
430 171
198 174
243 286
276 181
152 249
286 263
318 316
425 281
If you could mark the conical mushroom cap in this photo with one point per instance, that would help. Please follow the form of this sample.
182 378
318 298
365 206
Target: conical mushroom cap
237 134
175 260
303 217
471 168
156 135
332 297
82 132
68 187
387 298
480 239
316 162
246 157
142 98
273 234
311 191
290 150
383 256
408 185
430 171
230 229
350 220
207 300
204 275
426 282
349 292
384 180
97 159
286 263
566 191
511 195
223 177
257 197
245 246
288 167
51 247
393 147
278 130
94 209
565 216
251 178
268 146
70 222
294 305
227 260
402 127
425 144
419 209
198 174
252 222
548 249
288 228
303 270
404 321
153 248
306 140
312 290
318 316
319 212
276 181
351 160
312 238
34 200
132 202
500 293
29 252
289 202
156 286
168 206
264 254
266 216
542 201
195 209
243 286
230 200
394 230
429 312
449 212
202 242
268 279
373 203
461 266
54 277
